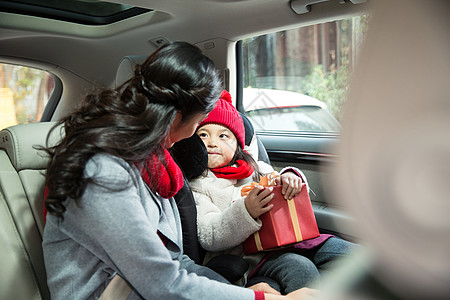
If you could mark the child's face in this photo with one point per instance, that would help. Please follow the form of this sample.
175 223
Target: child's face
220 143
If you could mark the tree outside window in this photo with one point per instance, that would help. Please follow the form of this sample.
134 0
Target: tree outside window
313 60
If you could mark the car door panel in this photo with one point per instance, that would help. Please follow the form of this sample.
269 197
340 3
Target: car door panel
313 155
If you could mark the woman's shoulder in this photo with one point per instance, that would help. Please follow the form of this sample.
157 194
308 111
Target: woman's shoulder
105 159
107 165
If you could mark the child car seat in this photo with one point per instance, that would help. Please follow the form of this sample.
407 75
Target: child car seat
192 157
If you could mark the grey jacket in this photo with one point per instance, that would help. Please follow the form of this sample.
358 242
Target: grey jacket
113 229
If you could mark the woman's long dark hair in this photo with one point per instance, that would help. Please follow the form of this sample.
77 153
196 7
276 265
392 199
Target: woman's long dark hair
132 121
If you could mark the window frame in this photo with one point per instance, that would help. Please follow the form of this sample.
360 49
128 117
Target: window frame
332 67
328 137
53 100
303 147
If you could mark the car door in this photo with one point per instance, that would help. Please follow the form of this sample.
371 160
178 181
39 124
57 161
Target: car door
292 85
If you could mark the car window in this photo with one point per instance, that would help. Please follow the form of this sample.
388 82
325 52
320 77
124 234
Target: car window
24 92
297 79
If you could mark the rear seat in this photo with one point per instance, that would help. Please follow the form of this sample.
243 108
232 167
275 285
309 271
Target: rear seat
22 180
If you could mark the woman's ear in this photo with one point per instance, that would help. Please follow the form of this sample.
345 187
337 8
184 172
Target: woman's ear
178 119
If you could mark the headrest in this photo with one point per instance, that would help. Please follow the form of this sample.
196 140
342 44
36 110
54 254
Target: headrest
191 155
249 130
19 141
126 68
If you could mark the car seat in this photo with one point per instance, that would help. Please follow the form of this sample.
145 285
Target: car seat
190 154
192 157
22 180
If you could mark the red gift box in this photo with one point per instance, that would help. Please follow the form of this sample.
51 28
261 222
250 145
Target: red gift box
288 222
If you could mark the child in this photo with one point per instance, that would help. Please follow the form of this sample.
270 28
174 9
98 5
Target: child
225 219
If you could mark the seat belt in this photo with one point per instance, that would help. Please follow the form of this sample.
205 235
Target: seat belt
117 289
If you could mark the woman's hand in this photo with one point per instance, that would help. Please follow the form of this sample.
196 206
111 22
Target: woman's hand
265 288
300 294
303 294
257 201
292 184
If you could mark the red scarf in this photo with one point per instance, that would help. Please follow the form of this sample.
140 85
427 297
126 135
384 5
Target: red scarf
241 171
165 177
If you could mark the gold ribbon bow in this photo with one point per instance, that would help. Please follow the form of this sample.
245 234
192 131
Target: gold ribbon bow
265 181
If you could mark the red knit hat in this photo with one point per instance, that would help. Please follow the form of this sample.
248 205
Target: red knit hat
226 114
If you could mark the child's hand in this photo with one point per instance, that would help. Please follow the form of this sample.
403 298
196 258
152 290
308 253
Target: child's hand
292 184
257 201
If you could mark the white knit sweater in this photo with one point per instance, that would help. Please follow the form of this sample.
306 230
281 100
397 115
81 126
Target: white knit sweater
222 219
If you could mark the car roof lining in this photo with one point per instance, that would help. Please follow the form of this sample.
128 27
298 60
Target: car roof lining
76 11
58 42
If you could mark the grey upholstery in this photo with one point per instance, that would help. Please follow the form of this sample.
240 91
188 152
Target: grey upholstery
21 211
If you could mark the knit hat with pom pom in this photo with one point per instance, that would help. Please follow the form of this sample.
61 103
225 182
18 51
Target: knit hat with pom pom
225 114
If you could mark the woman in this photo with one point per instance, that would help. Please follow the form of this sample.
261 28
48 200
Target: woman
111 181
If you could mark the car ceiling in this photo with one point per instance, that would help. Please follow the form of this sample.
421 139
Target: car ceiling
93 52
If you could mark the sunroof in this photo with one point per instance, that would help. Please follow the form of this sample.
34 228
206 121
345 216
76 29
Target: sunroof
88 12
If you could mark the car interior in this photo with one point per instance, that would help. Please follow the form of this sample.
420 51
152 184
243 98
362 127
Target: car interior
371 181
